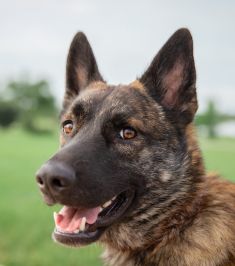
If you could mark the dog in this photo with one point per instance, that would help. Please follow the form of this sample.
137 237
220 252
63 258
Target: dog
130 173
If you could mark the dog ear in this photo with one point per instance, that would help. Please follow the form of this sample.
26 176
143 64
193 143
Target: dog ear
81 67
171 77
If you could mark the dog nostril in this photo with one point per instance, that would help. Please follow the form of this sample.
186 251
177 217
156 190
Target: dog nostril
56 182
40 181
53 178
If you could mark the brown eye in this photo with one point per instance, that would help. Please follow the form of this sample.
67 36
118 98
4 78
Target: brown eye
68 127
128 133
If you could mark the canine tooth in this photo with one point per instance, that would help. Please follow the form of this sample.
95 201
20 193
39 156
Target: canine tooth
83 224
114 198
106 204
76 231
55 216
60 229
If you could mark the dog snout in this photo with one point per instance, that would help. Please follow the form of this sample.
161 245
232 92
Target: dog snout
55 178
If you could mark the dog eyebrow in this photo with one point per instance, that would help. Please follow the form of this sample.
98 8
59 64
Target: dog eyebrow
79 109
128 119
119 117
136 123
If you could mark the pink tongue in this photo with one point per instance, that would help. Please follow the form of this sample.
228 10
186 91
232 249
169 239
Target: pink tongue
69 219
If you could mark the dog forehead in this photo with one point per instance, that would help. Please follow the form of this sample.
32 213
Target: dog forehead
112 95
91 97
125 94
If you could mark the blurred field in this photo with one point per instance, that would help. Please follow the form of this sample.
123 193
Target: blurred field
219 156
26 223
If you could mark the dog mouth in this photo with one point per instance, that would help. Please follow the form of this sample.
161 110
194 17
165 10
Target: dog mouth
78 226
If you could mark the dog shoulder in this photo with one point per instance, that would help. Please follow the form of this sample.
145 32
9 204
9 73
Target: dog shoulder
211 238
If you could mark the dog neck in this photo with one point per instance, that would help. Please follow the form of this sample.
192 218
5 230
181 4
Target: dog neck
137 251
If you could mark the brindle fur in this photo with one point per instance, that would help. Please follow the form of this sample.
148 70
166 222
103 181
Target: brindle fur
180 215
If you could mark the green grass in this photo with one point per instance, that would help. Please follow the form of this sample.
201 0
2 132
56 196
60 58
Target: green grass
219 156
26 223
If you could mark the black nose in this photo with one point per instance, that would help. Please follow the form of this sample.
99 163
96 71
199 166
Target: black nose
54 178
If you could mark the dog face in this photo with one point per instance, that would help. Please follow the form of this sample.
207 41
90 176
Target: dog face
124 153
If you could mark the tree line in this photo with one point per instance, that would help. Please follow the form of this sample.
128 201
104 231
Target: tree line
28 104
32 106
211 118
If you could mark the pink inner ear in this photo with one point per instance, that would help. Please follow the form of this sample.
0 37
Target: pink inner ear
172 82
82 77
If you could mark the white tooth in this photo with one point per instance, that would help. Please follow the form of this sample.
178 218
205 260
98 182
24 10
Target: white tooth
55 216
83 224
59 229
114 198
106 204
76 231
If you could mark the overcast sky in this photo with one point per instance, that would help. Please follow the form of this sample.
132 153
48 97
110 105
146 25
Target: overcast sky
125 35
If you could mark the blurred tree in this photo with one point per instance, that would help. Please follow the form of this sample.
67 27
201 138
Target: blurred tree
211 118
33 101
8 113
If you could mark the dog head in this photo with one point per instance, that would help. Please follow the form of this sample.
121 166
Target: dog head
125 153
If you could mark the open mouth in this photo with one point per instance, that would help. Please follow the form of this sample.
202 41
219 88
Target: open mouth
76 226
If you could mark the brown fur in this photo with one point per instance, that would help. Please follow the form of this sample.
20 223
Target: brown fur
199 231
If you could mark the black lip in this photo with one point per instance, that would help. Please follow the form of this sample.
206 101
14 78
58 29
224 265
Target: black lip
97 229
81 239
114 217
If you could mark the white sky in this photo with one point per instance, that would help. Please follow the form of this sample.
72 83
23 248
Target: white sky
125 35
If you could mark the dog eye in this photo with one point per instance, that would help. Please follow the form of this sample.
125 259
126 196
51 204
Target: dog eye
128 133
68 127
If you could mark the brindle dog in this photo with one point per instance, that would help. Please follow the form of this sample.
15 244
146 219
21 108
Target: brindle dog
130 172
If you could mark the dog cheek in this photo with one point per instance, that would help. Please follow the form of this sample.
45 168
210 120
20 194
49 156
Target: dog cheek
62 141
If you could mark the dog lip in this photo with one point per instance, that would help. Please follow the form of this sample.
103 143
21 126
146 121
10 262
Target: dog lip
48 199
121 210
81 239
96 230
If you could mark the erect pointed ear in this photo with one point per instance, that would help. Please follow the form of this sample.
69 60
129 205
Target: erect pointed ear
81 67
171 77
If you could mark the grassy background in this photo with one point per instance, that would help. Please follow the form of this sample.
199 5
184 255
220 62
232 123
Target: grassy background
26 223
